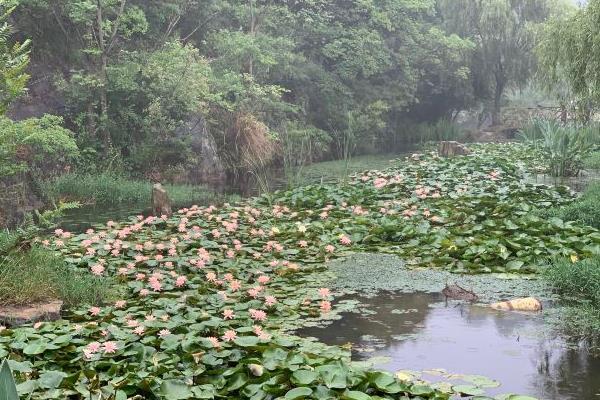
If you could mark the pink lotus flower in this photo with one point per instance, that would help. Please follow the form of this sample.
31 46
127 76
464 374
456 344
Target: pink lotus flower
95 311
120 303
110 347
228 314
230 335
139 330
303 243
325 306
97 269
324 292
380 183
181 280
258 315
235 285
263 279
164 332
345 240
215 342
329 248
270 301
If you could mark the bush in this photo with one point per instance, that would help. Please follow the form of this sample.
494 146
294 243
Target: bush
38 275
37 145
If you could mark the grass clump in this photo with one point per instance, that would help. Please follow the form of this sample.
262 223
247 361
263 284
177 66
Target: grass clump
114 189
584 210
37 275
579 285
593 161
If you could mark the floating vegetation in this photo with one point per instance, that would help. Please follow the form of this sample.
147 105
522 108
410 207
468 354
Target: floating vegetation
212 291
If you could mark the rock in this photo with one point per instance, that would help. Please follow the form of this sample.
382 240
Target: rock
19 315
207 167
452 148
458 293
524 304
161 203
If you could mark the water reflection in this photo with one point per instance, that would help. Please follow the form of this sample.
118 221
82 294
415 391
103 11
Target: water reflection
420 331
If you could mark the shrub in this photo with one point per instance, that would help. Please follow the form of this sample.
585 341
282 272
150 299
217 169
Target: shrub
593 161
38 145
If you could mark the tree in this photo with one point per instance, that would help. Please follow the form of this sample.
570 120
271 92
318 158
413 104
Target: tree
570 56
14 58
504 34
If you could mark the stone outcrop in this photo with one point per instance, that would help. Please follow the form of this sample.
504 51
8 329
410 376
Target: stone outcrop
451 149
161 203
207 166
19 315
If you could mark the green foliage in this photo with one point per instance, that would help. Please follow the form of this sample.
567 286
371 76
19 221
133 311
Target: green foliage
504 35
564 147
579 286
569 56
112 189
38 145
38 275
593 161
183 314
8 387
443 130
14 59
585 210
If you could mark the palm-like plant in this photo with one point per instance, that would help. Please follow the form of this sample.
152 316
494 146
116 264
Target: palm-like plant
564 146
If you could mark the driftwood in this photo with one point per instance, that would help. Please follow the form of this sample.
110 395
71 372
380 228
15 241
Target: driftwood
451 149
459 293
161 203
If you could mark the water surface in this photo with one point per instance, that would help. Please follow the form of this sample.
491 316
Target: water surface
420 331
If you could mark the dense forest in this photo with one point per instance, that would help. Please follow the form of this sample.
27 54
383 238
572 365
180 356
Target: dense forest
191 91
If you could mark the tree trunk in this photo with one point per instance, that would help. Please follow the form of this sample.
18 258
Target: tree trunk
498 92
103 129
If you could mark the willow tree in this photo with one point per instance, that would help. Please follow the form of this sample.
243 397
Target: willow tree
14 58
569 57
504 34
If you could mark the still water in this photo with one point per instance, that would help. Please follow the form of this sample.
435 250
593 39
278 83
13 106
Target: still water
421 332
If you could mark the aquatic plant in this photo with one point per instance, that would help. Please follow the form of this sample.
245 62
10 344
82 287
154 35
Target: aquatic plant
8 388
212 292
564 147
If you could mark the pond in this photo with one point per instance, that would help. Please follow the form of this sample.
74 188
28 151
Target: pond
422 331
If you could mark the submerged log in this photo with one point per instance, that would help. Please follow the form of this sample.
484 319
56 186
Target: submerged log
459 293
161 203
451 149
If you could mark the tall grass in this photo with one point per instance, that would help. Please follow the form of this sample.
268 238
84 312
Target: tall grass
564 146
579 286
114 189
442 130
37 275
585 210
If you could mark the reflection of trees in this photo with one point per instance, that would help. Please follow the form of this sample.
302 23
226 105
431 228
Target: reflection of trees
566 373
383 326
540 364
